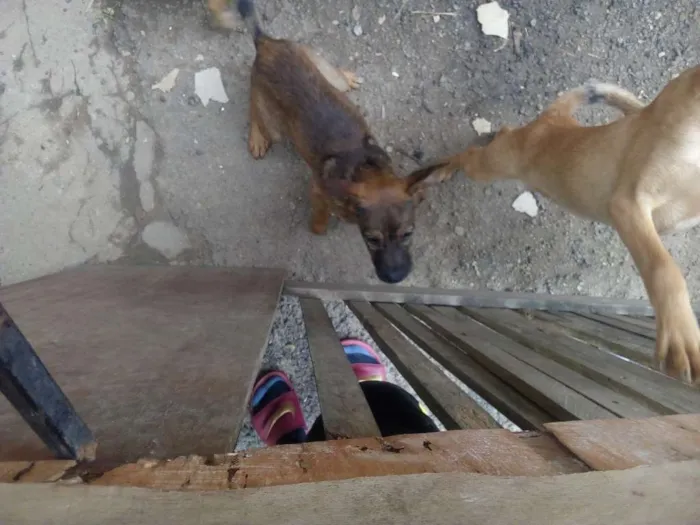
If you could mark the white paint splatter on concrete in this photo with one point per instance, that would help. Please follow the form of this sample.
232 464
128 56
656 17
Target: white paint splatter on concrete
166 238
208 86
168 81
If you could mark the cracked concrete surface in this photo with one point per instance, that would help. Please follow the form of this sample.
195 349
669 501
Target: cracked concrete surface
95 165
90 154
78 158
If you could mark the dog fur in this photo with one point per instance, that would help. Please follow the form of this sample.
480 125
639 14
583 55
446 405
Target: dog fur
221 14
297 94
640 174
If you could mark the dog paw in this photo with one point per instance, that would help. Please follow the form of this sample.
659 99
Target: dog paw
678 345
225 20
258 144
352 79
319 224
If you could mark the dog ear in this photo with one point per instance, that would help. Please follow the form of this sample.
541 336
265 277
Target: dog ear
420 179
374 154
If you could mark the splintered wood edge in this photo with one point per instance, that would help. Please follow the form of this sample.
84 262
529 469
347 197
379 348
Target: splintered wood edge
488 451
658 494
495 452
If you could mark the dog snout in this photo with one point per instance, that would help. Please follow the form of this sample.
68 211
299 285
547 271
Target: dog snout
393 264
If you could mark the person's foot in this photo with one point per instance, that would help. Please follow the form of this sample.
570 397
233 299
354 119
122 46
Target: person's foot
275 411
364 360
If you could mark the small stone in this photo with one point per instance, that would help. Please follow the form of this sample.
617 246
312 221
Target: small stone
192 100
526 203
533 23
493 19
357 30
381 19
459 231
481 126
356 13
395 74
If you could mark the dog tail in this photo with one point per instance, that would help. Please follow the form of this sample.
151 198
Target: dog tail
246 8
614 96
594 92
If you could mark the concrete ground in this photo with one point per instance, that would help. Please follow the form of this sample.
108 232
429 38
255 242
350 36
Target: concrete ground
95 165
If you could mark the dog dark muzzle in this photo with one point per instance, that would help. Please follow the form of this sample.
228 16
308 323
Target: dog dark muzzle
392 264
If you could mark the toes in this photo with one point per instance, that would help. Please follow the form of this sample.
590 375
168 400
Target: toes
678 363
352 79
258 146
319 229
661 353
319 223
694 358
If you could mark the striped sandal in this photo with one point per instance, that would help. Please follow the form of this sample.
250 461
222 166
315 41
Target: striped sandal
275 411
364 360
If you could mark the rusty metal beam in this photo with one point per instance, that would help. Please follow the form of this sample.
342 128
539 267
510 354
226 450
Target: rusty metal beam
29 387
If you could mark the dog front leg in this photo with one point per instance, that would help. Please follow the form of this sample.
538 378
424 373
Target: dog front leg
320 210
677 332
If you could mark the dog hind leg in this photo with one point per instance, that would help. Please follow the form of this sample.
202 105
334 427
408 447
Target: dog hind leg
340 79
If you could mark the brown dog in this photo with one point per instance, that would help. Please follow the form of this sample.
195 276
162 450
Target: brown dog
641 174
297 94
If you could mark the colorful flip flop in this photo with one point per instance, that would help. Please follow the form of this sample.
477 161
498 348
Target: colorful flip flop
364 360
275 410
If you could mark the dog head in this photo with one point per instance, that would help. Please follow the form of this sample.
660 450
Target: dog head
383 204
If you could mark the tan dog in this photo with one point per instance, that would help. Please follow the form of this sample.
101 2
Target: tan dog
221 14
640 174
298 95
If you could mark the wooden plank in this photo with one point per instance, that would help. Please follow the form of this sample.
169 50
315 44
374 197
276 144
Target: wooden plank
451 406
616 445
35 471
33 392
617 403
496 452
629 324
344 408
659 392
382 293
647 495
487 347
11 470
159 361
623 343
504 398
